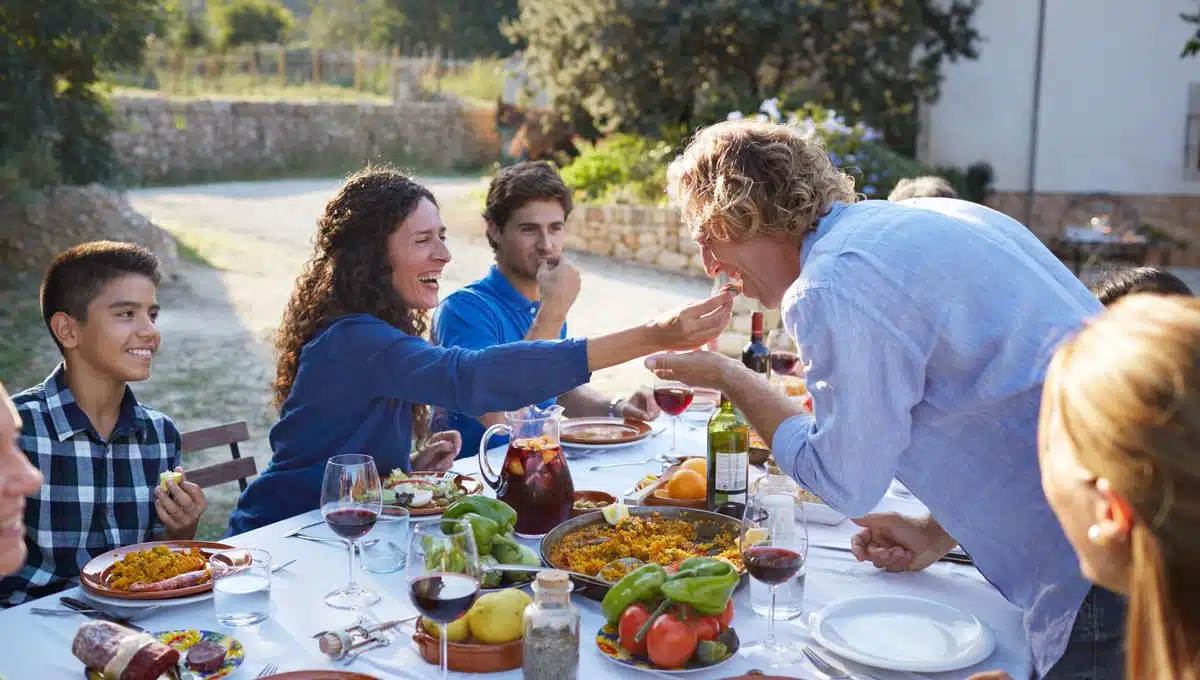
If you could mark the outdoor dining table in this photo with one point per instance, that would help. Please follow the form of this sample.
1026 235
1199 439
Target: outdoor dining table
40 646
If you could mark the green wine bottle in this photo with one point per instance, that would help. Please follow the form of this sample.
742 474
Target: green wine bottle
728 460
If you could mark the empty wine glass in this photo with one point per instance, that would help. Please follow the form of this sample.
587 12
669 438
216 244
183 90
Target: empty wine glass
673 397
351 500
774 548
443 573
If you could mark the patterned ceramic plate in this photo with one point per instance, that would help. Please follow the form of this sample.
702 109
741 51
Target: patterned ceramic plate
606 640
183 641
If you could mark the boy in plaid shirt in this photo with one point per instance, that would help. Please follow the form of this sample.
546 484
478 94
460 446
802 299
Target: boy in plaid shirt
100 452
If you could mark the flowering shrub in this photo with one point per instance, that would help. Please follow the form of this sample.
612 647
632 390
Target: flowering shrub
621 168
857 149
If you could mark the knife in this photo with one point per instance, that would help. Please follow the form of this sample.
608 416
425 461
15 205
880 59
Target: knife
954 557
93 613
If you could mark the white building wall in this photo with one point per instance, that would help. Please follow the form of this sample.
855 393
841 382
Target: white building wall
1114 97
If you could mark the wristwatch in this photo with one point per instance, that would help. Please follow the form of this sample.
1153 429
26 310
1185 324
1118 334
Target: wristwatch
613 403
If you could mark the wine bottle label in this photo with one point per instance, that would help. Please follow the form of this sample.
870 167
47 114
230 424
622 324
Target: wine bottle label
732 471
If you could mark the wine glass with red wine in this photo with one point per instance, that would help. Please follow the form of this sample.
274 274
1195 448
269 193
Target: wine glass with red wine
673 397
443 573
774 549
784 356
351 500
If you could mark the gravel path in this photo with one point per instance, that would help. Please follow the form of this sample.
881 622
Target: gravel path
216 363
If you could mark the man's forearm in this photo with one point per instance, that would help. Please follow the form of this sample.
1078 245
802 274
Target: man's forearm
547 325
583 402
763 405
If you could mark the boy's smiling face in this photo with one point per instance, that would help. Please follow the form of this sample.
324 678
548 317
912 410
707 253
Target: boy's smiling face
119 338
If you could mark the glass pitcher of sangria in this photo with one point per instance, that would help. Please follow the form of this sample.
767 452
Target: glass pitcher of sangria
534 479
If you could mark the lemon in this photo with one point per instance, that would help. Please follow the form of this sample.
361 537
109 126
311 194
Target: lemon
457 631
498 617
753 536
614 513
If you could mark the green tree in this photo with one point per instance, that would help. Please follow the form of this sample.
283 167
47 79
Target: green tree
640 65
1192 47
344 23
52 56
250 22
467 28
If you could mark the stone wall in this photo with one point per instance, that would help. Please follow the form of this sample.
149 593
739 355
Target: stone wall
649 235
1178 216
167 140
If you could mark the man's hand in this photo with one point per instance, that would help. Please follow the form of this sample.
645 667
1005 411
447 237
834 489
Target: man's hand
558 284
179 507
898 543
438 452
693 326
640 406
991 675
698 369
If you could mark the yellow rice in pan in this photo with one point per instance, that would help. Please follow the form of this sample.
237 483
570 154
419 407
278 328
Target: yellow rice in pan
653 539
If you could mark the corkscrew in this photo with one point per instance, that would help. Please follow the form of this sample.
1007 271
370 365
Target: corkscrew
364 635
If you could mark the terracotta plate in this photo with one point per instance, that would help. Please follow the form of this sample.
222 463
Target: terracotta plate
94 577
603 431
469 485
320 675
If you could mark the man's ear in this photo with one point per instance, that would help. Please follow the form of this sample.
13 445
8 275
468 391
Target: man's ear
493 231
65 329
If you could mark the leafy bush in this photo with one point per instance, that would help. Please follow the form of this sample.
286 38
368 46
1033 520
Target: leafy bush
621 168
250 22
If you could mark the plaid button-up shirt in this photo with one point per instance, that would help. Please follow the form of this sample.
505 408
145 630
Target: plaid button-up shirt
97 495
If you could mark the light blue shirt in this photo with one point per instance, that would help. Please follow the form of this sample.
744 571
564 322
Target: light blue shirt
926 327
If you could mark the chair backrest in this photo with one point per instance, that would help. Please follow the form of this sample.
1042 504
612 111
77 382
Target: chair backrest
229 434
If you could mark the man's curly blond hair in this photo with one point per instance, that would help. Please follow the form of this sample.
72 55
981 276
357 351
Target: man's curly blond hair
741 178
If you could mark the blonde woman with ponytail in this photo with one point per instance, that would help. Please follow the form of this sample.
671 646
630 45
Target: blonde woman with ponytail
1119 442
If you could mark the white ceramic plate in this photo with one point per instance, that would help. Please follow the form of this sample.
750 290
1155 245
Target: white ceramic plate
140 604
902 634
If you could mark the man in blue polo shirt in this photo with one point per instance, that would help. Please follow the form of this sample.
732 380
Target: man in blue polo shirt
525 296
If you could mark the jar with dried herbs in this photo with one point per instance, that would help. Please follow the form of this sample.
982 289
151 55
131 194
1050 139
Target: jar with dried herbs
551 630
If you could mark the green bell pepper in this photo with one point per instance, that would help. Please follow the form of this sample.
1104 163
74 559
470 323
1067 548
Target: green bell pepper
498 511
640 585
489 579
485 531
704 587
508 551
699 566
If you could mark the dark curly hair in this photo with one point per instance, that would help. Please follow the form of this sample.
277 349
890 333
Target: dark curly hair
349 272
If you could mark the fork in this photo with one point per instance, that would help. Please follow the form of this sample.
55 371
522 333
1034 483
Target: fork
269 669
829 669
137 616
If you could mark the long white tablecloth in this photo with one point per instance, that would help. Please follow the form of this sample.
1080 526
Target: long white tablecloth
40 646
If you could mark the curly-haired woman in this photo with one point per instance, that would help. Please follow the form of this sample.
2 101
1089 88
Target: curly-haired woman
925 327
354 374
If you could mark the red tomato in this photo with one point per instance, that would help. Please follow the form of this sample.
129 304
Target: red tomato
706 627
632 620
726 617
671 642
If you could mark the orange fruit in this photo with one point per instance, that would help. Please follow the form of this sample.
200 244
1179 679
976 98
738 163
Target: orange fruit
698 464
687 485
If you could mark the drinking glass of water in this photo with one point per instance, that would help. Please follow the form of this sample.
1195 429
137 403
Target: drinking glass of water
385 549
241 585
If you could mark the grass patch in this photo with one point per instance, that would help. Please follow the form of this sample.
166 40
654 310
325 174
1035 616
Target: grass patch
273 91
481 83
27 353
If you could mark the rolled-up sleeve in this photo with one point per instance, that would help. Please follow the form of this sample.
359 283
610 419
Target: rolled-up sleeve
865 378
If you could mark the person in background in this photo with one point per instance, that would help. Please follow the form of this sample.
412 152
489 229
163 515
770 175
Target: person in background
925 327
354 374
1120 460
102 452
525 296
922 187
18 479
1121 281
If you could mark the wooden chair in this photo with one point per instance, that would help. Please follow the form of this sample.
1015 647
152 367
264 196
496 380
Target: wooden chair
229 435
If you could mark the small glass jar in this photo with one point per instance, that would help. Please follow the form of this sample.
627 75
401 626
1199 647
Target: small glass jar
551 630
